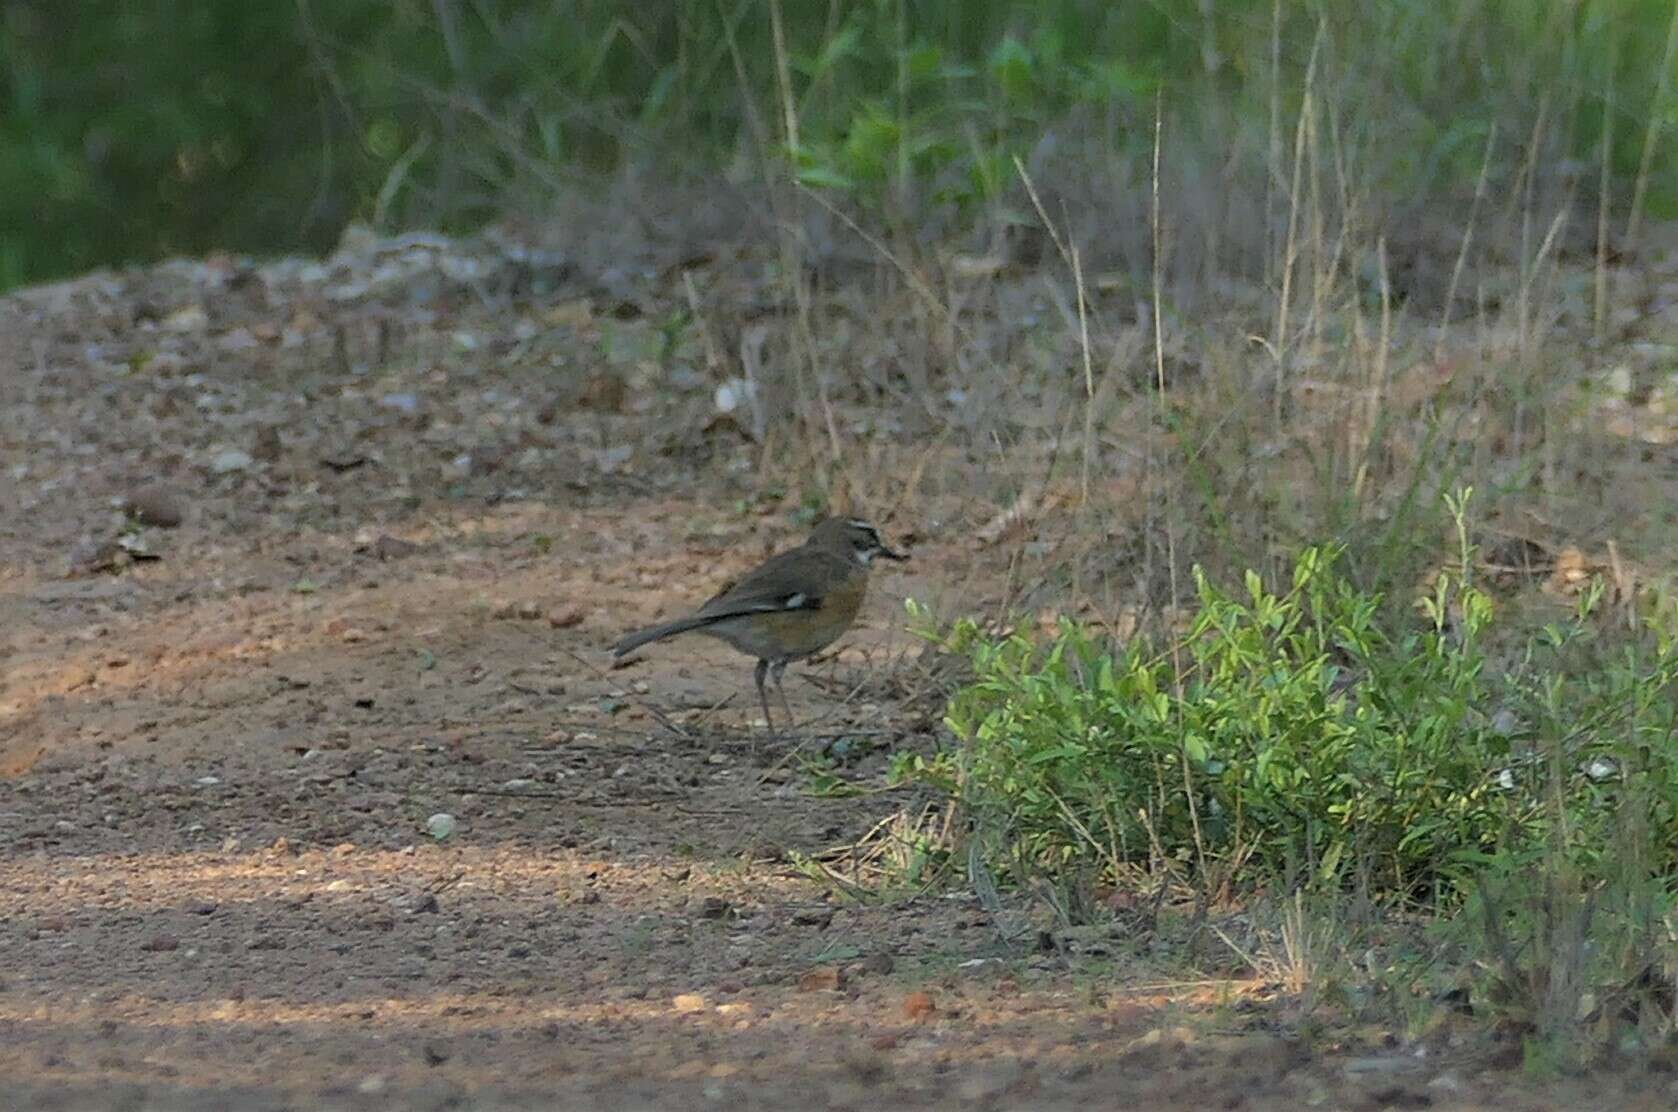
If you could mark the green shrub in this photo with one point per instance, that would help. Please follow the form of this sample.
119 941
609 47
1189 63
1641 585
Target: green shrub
1298 737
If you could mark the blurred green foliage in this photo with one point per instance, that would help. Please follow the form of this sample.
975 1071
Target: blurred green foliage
132 131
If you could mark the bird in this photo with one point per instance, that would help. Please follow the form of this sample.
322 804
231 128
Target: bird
790 607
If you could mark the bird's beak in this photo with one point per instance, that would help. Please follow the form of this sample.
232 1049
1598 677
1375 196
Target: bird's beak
892 553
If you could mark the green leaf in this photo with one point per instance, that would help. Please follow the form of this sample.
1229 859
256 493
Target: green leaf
836 49
1011 67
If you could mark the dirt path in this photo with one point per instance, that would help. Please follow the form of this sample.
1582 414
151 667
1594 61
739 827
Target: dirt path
216 885
217 888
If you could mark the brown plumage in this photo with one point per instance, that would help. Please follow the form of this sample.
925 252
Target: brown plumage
790 607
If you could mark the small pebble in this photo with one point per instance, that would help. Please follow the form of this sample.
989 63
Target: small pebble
231 460
564 617
824 978
919 1007
156 504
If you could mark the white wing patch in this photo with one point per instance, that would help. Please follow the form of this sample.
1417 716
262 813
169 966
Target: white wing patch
794 601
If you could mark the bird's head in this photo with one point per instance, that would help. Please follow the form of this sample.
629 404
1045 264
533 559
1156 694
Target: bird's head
855 539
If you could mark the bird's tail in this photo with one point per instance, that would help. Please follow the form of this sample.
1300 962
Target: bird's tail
633 641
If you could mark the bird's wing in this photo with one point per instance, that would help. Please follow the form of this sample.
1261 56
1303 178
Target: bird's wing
784 583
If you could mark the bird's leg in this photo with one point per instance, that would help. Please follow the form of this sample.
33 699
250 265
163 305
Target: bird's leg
776 670
763 693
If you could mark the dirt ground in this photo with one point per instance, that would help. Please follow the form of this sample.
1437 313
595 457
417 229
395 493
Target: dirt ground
389 598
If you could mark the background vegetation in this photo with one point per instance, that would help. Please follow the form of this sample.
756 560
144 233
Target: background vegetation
130 132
